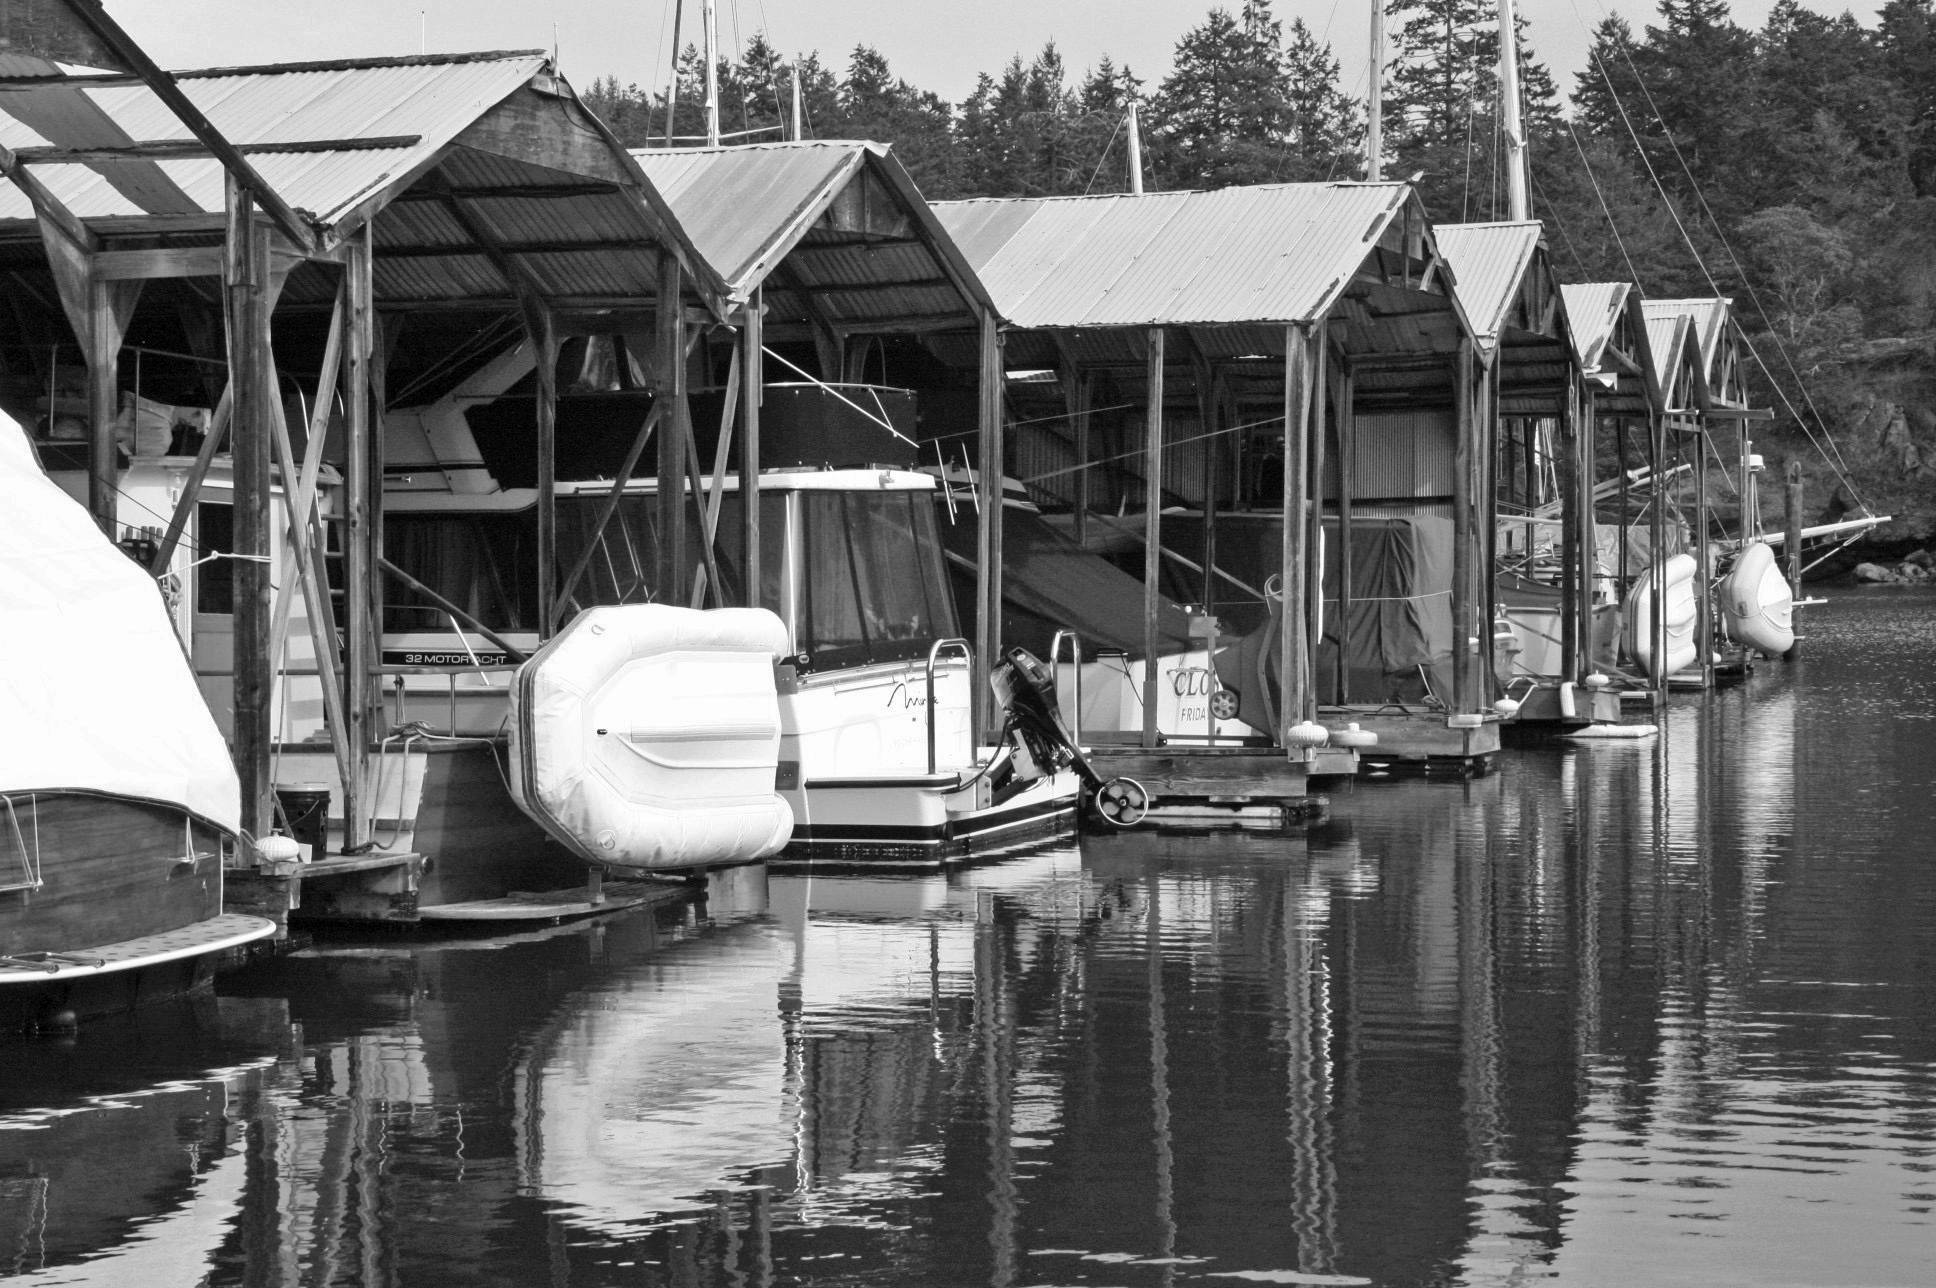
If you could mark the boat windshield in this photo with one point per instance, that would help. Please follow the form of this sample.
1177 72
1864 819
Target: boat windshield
486 564
872 584
873 588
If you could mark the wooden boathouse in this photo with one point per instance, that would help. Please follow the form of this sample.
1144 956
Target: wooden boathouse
1680 335
360 231
1542 473
1217 379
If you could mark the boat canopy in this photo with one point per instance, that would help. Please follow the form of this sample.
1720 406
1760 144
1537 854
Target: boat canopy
95 693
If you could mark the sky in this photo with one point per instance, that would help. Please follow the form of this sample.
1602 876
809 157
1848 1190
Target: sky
939 46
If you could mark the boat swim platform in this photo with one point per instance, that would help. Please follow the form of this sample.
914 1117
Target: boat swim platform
217 934
1187 778
561 905
1421 741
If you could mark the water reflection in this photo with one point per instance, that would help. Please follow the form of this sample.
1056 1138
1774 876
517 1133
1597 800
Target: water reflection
1617 1013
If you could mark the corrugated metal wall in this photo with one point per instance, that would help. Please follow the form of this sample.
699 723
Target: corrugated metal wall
1397 455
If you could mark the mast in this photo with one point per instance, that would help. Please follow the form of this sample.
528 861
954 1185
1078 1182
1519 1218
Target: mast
1135 150
799 122
712 74
1375 100
1509 112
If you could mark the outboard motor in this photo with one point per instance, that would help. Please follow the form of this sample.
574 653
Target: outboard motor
1027 691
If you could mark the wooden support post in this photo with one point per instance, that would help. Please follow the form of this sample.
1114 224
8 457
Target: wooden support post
1703 560
542 331
1657 542
1152 530
1208 430
246 277
1347 445
988 539
1295 556
1791 543
361 594
1576 558
674 429
1485 527
1312 535
1464 539
752 371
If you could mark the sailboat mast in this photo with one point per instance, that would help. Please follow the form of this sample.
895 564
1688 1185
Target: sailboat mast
712 74
1135 150
1375 99
1509 112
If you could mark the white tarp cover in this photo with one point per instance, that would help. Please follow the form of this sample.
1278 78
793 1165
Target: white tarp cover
95 693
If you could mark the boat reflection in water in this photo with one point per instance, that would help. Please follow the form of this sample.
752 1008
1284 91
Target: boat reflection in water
1617 1012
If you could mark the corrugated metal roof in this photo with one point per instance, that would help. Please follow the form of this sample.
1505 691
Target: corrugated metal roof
1277 253
746 206
1707 316
1488 261
846 219
434 98
1594 310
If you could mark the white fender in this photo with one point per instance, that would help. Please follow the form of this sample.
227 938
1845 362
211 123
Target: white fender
647 736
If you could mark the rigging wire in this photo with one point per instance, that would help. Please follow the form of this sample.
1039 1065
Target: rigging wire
1740 272
1105 154
1633 274
1831 455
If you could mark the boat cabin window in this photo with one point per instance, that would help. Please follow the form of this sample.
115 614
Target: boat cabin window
476 561
487 563
215 580
873 587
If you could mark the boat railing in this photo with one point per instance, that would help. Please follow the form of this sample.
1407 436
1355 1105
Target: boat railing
958 646
1075 660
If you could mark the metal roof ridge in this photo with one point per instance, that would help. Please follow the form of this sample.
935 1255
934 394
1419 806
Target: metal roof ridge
1173 192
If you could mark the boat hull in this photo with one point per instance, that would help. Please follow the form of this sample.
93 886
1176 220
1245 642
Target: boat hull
125 895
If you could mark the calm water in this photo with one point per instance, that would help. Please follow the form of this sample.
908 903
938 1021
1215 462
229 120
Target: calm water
1615 1015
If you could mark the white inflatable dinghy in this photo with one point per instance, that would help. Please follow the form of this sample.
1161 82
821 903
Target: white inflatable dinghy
647 737
1757 603
1669 590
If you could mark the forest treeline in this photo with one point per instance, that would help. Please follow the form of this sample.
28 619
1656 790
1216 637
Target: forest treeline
1792 167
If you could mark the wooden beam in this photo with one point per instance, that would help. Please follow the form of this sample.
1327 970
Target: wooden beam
1152 528
1347 434
675 428
753 374
110 305
989 429
1464 538
1294 555
542 332
1312 535
47 206
356 323
192 149
163 86
508 249
247 281
164 261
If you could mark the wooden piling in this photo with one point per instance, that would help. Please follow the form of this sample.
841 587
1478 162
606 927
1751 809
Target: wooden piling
1152 528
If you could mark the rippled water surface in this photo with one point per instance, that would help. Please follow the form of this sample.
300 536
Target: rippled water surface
1615 1015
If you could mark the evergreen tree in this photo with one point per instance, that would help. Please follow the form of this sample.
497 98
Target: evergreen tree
1442 104
875 104
1240 106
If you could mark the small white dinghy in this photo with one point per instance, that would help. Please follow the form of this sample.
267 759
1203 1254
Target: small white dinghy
1757 603
647 737
1669 591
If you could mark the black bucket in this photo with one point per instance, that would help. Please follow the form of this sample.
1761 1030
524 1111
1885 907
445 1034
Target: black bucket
305 809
